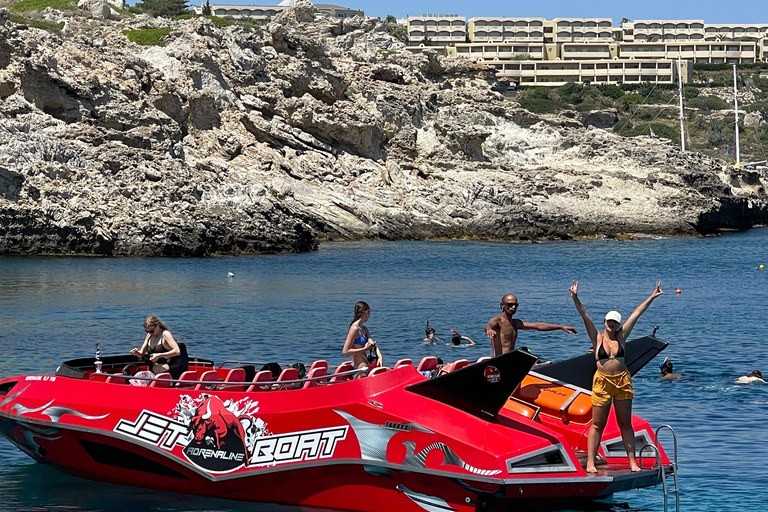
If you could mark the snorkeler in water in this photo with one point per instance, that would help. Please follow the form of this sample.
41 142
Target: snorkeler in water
668 371
461 341
430 338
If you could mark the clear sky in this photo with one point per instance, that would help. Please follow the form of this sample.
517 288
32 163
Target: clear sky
711 11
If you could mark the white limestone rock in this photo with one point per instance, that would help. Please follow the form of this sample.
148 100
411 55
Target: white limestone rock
98 8
233 140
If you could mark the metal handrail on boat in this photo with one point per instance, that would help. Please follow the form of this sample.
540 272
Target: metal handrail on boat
659 467
254 363
676 490
259 364
657 455
221 385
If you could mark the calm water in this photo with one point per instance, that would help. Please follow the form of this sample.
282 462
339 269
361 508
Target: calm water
295 307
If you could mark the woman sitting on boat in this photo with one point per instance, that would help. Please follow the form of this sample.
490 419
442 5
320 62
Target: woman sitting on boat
612 381
159 346
364 351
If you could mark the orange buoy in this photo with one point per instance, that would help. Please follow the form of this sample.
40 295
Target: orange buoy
678 291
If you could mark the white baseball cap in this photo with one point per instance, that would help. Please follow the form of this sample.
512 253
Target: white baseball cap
613 315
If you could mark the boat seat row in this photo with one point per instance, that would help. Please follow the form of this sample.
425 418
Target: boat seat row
429 364
263 380
235 378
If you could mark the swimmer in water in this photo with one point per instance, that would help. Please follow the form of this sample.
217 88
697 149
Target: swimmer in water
755 376
430 338
668 371
459 341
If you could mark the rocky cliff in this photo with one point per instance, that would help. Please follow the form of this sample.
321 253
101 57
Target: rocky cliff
234 140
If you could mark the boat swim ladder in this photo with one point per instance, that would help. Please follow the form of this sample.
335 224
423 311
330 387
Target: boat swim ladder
662 473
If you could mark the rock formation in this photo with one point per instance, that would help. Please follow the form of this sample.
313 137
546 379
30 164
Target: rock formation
235 140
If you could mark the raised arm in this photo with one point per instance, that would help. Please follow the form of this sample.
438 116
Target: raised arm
543 326
639 310
588 323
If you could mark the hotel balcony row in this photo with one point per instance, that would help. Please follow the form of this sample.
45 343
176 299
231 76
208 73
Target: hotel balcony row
540 24
711 53
560 30
264 13
443 36
715 53
691 29
478 35
513 29
596 71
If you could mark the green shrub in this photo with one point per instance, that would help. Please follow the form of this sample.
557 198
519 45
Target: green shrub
535 92
49 26
690 92
148 36
539 105
394 29
645 89
759 81
167 8
754 107
40 5
570 88
123 12
715 103
703 66
587 106
720 67
631 99
661 130
611 91
219 22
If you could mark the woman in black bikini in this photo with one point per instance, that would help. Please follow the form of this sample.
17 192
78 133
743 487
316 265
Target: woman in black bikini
612 381
159 345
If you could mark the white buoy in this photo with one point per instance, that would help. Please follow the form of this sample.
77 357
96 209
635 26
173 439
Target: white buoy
230 274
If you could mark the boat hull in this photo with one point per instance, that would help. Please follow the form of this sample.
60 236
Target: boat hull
365 445
379 486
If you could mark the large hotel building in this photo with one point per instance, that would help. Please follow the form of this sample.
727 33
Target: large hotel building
537 51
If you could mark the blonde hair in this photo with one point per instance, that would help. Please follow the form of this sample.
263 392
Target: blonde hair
152 321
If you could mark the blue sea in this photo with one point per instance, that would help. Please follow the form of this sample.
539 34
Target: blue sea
297 307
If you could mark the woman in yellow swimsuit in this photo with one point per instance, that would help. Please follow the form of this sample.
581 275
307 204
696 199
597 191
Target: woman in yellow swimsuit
612 381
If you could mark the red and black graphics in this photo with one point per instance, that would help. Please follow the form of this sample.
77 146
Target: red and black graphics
224 436
218 438
408 444
492 374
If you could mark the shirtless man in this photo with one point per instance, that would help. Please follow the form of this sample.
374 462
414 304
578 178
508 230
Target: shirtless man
502 329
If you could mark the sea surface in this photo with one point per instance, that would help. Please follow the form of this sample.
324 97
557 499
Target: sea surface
298 307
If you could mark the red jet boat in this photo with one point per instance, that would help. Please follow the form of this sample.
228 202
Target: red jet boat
487 436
